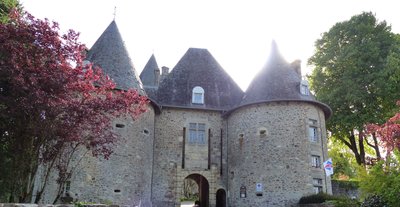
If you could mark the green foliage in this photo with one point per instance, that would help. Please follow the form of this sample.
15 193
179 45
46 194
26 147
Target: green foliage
347 184
106 202
191 197
343 202
343 161
374 201
338 201
316 198
194 198
383 179
354 62
5 8
82 203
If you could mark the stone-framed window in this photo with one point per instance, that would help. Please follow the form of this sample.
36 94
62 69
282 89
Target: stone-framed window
317 184
316 161
198 95
197 133
304 90
313 130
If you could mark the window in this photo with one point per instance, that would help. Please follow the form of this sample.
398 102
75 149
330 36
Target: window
241 137
198 95
304 88
120 125
313 130
67 187
197 133
316 161
262 132
313 133
317 183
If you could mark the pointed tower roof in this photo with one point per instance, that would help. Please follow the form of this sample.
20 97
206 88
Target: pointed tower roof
278 81
199 68
110 54
149 75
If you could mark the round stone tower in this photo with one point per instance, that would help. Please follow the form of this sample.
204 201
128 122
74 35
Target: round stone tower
120 180
125 178
276 139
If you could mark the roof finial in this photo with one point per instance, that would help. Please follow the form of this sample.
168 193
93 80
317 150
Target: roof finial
115 12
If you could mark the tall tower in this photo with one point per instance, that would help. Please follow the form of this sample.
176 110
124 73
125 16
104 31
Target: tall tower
125 178
276 139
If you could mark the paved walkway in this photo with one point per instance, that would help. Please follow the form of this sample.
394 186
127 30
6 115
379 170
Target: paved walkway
187 203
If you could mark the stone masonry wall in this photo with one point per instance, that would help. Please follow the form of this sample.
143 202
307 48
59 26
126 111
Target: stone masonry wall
168 170
124 179
345 188
268 144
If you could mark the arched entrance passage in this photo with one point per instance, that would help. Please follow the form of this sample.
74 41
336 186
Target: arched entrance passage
203 188
221 198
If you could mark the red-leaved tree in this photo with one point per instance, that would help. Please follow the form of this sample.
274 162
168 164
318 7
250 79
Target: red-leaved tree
51 103
387 133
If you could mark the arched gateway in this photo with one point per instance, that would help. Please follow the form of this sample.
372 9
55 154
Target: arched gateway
203 188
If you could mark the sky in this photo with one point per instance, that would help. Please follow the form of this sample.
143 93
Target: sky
238 33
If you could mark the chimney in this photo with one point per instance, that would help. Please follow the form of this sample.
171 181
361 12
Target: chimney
297 67
156 77
165 70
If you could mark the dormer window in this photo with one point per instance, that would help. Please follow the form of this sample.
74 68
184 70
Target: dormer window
198 95
304 88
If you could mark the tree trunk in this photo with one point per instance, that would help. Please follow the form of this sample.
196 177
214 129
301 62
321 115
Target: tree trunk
39 193
356 148
376 147
361 147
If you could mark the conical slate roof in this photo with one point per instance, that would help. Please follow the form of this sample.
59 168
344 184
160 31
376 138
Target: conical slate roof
110 54
199 68
278 81
149 74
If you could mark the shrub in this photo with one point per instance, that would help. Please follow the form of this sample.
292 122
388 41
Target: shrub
337 201
381 182
344 202
374 201
315 198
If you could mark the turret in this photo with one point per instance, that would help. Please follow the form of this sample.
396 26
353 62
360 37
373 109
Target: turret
276 139
150 76
125 178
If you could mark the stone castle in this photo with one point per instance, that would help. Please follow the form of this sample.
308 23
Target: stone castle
261 147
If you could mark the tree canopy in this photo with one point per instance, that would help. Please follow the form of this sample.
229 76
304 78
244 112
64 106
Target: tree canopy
387 133
6 6
50 101
356 73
